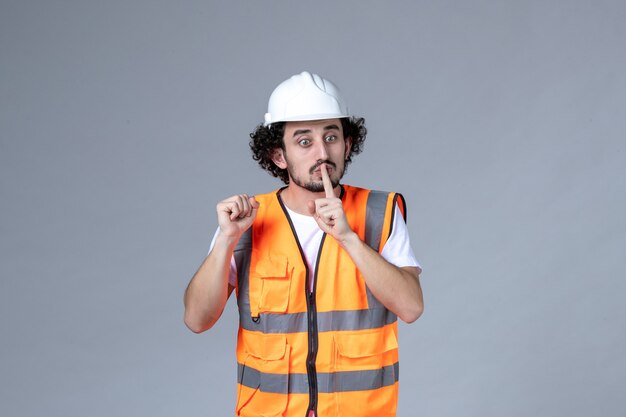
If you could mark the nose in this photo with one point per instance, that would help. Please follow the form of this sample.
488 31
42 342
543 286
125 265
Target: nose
321 150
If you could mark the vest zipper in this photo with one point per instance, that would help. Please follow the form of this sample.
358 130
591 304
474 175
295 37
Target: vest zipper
313 336
311 312
312 354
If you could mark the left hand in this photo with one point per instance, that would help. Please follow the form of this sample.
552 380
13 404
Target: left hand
328 212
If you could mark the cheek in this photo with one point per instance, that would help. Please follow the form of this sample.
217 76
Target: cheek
342 153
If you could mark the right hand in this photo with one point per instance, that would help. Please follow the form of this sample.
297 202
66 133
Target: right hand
236 214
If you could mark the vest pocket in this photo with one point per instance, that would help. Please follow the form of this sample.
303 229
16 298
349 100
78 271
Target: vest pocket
264 377
275 282
365 362
364 349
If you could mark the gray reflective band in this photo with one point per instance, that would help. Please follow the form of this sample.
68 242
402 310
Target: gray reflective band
242 256
242 252
375 217
326 382
327 321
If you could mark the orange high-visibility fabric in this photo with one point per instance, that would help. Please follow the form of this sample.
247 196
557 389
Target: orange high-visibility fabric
276 287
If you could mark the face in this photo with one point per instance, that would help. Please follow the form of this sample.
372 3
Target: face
308 146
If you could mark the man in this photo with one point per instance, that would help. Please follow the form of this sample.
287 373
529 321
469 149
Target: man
321 269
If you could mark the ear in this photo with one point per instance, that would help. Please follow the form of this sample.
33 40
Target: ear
348 148
278 157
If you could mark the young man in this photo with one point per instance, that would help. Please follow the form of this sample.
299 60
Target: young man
322 270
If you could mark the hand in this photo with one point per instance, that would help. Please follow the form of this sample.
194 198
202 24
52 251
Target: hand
328 212
236 214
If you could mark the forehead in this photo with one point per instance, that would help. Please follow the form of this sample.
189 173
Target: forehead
312 125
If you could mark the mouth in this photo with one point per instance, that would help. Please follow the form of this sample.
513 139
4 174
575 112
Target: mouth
317 168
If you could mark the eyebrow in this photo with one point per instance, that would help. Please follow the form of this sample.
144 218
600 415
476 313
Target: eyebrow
303 131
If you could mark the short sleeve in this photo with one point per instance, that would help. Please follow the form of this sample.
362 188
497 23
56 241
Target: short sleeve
397 249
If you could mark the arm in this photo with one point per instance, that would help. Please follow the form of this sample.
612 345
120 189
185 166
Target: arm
208 290
396 288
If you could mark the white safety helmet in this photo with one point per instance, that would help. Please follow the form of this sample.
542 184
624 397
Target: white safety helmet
305 96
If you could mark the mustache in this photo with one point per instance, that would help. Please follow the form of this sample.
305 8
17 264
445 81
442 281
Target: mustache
319 163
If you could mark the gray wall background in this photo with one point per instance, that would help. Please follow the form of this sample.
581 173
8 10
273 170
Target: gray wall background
124 122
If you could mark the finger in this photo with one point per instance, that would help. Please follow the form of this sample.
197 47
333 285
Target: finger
326 214
254 205
234 209
240 206
245 206
325 226
328 186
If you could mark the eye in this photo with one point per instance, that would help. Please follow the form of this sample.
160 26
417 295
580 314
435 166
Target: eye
304 142
330 138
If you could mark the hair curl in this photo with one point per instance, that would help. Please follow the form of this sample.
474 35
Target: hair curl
265 139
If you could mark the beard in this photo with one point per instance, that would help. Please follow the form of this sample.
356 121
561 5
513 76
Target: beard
313 186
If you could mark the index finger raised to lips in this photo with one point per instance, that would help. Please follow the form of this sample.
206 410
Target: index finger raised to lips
328 186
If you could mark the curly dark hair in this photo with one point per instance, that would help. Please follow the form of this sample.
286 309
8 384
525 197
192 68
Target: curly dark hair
265 139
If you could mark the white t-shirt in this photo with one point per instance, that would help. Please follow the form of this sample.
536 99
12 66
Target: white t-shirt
397 249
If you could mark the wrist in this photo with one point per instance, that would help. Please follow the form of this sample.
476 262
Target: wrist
350 240
227 240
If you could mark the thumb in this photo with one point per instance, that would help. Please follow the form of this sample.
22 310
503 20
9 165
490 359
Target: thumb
311 207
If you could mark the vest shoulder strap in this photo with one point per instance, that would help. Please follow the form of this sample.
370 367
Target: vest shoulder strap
379 217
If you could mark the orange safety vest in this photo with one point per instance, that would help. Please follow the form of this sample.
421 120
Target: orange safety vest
333 350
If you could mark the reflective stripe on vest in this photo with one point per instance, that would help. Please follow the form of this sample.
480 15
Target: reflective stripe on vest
326 320
275 318
327 382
